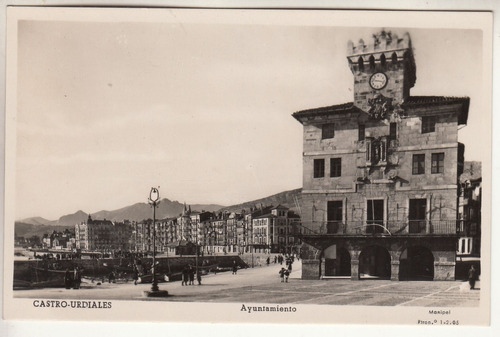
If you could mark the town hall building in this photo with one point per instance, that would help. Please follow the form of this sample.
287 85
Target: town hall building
380 174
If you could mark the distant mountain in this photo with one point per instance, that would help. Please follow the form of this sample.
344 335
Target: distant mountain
207 208
27 230
135 212
72 219
141 211
166 209
288 199
35 221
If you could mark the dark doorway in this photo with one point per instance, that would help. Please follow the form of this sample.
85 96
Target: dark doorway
416 264
416 216
374 216
334 216
375 262
337 261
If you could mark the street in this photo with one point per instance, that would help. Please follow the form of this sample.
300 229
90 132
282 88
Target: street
263 285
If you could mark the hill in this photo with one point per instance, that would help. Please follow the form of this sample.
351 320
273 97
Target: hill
288 199
27 230
35 221
135 212
166 209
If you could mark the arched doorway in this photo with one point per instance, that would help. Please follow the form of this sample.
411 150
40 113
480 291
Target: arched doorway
375 262
337 261
416 263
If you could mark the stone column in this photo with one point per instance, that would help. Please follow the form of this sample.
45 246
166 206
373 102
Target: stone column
444 271
322 268
310 269
444 264
354 270
394 270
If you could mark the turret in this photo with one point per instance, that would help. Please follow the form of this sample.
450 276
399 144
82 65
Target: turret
384 68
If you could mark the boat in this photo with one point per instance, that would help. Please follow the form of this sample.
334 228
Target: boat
42 278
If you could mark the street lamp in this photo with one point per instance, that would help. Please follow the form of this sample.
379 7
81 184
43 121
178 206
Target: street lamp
154 201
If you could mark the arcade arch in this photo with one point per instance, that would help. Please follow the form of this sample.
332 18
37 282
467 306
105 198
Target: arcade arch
337 261
374 262
416 263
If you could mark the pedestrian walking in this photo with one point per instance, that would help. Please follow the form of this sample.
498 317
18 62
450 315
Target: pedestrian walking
191 276
136 275
67 279
287 273
185 276
472 277
235 268
198 277
268 261
290 266
77 278
282 274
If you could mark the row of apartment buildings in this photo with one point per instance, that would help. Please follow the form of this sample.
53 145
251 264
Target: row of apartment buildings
261 230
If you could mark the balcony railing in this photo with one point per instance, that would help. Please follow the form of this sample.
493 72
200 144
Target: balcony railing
382 228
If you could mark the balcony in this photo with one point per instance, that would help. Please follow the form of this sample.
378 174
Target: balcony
381 228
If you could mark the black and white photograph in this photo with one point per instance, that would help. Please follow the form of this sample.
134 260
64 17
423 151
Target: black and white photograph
203 165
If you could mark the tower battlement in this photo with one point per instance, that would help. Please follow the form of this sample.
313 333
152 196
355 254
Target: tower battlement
384 42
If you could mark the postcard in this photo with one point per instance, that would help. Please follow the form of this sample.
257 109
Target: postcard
248 166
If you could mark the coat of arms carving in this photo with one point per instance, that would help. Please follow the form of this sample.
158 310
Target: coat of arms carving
380 107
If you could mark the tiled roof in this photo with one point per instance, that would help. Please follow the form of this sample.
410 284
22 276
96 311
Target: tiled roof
418 101
268 215
410 102
327 110
280 206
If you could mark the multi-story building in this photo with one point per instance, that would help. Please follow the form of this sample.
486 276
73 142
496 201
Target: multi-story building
380 174
469 242
103 235
241 233
272 230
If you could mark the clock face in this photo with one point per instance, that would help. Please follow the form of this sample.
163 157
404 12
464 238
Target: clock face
378 81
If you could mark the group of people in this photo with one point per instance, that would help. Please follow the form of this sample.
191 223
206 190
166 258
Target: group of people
285 272
73 279
284 259
188 273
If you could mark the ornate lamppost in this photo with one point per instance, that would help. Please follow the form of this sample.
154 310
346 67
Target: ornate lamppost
154 201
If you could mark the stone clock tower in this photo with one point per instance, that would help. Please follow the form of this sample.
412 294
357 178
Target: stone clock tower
384 72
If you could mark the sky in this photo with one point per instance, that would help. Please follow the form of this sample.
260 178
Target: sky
107 110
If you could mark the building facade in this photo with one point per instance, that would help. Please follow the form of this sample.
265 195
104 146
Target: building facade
380 174
103 236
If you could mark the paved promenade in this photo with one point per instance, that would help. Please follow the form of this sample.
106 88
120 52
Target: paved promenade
262 285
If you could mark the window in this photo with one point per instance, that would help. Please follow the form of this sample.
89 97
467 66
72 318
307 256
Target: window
335 167
328 131
418 164
417 216
334 216
374 216
319 168
393 129
437 163
428 124
361 132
